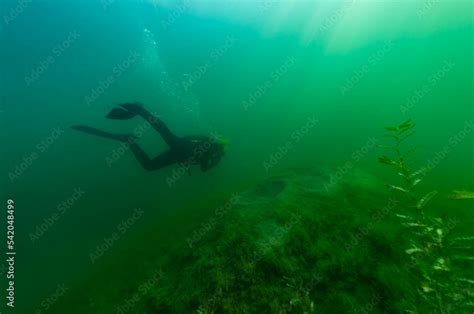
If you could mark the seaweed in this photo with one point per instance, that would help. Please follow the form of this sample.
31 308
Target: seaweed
289 246
461 195
411 179
432 256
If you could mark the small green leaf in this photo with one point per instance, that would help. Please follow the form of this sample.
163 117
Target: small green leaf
404 217
387 161
413 224
459 239
405 129
461 195
462 257
413 250
406 124
415 182
427 289
466 280
419 172
422 203
391 128
397 188
462 248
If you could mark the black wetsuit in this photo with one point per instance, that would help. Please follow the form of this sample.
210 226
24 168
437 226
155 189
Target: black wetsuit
187 151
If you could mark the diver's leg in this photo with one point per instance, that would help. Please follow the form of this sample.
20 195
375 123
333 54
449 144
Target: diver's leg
148 164
170 139
100 133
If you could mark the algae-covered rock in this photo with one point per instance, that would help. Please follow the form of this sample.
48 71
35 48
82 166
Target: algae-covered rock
309 241
293 243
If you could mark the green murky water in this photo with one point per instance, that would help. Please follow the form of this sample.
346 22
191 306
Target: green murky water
295 217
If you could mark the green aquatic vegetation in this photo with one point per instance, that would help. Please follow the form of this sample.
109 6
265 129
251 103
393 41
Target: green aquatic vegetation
399 134
287 245
434 259
462 195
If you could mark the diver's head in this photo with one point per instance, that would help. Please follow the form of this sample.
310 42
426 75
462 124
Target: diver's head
216 150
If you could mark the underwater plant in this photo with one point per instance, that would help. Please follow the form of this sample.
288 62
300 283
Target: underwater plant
461 195
433 258
288 245
411 178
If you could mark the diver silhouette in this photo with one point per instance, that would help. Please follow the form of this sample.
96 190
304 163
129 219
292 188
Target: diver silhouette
204 151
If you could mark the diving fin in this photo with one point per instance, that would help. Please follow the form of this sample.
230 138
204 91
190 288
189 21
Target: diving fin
120 114
93 131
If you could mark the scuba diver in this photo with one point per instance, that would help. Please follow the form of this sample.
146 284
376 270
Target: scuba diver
191 150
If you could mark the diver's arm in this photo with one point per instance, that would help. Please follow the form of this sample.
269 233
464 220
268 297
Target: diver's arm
208 163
